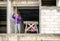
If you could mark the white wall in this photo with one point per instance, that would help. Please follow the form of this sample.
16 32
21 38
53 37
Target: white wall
50 21
58 2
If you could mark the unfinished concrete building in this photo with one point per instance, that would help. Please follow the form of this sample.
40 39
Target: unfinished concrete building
45 14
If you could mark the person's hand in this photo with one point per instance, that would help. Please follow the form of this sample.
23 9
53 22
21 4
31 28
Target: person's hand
16 15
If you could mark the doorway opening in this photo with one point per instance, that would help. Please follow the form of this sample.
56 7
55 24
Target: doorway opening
3 16
30 15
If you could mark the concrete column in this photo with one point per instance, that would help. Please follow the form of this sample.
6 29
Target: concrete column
12 20
8 16
58 2
39 15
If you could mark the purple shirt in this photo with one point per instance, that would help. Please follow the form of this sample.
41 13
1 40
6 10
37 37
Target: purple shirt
18 20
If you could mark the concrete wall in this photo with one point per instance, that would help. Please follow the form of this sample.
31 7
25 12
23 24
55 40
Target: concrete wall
50 21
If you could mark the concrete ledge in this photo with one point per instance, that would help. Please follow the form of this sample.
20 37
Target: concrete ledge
21 3
29 37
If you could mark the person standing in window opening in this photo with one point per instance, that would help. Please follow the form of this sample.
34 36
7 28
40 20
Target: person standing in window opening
17 20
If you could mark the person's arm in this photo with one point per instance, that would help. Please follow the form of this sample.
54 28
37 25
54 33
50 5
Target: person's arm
13 16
